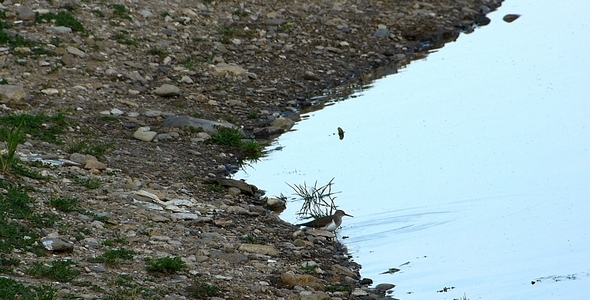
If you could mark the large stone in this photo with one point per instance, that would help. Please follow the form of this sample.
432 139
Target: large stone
343 270
195 123
167 90
259 249
12 93
144 134
76 51
284 123
222 69
57 245
267 131
26 14
381 33
290 278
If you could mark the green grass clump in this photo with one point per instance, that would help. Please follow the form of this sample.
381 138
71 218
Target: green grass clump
120 11
201 290
6 264
62 19
227 137
90 183
250 239
158 52
250 149
12 289
40 126
123 38
166 265
13 138
113 257
309 268
97 150
65 204
59 270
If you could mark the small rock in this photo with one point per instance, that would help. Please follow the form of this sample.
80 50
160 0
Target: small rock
11 93
359 293
98 269
144 134
309 75
383 287
146 13
222 68
276 22
186 216
343 270
276 204
259 249
92 163
76 51
117 112
186 79
509 18
167 90
233 191
290 278
57 245
267 131
58 29
235 103
381 33
188 122
50 91
26 14
78 158
284 123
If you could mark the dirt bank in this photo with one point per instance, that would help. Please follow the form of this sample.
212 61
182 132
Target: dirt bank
111 68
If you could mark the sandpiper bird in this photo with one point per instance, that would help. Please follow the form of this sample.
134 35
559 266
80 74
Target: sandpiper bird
329 223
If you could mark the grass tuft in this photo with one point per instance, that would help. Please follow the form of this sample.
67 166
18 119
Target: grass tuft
65 204
201 290
113 257
59 270
166 265
317 201
62 19
12 289
97 150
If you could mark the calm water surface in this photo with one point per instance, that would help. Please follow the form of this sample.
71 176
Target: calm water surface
468 170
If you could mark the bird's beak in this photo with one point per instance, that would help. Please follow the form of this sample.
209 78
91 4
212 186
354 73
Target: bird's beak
348 215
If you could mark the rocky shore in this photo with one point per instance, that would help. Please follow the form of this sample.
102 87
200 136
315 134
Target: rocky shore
115 73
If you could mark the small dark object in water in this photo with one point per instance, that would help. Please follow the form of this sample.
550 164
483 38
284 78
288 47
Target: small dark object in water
340 133
481 20
510 17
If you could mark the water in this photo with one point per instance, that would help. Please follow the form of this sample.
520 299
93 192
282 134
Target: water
469 170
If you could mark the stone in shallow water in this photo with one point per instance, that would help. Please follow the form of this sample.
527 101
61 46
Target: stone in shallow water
382 287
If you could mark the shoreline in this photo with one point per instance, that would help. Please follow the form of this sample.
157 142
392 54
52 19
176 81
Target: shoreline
135 65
